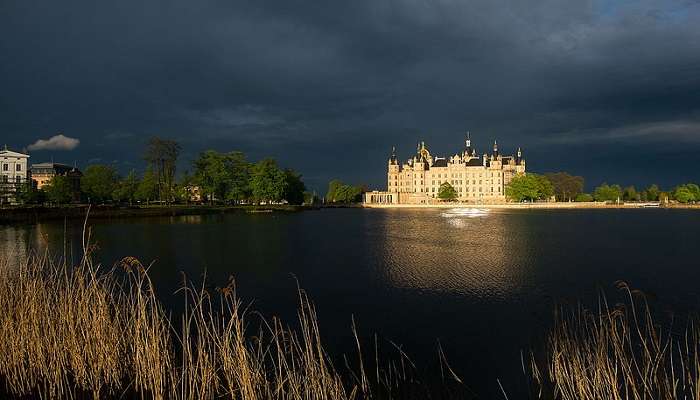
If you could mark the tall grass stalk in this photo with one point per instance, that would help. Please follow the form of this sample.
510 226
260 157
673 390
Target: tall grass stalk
86 332
618 352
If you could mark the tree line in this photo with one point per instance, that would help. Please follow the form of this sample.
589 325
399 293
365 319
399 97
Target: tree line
562 186
216 178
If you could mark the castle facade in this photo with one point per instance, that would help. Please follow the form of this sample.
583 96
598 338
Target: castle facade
475 178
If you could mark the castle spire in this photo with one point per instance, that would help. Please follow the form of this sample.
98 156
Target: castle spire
469 141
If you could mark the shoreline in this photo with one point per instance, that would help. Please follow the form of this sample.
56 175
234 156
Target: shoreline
541 206
31 215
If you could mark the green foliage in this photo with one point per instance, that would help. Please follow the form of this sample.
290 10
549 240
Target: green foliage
147 189
529 187
28 194
566 187
652 193
687 193
294 187
126 188
268 183
695 190
212 175
58 190
630 194
184 189
161 155
339 192
607 192
583 197
447 192
239 176
223 176
310 198
99 182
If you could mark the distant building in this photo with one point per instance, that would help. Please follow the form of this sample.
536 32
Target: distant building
13 174
476 178
42 173
193 193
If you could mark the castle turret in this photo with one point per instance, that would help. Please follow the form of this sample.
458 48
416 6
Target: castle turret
393 172
392 158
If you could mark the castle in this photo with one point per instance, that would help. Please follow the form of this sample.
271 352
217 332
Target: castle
475 178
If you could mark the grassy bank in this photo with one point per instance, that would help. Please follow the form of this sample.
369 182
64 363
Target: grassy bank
40 213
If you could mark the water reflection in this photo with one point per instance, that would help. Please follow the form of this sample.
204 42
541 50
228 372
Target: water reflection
471 252
14 242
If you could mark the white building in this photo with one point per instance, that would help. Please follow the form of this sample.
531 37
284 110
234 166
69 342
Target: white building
14 173
476 178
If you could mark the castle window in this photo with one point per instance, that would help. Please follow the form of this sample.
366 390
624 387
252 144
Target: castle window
6 167
19 167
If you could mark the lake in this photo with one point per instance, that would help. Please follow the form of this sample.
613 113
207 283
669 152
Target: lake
482 283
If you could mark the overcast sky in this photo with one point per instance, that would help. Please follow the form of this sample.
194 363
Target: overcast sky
606 89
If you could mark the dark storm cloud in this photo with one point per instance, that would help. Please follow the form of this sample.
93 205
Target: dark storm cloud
603 89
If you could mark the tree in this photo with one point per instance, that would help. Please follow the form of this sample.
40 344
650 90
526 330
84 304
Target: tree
310 198
339 192
565 186
148 187
294 187
239 170
99 182
223 176
687 193
607 192
332 192
268 182
126 188
529 187
211 175
545 187
58 190
695 190
652 193
161 155
28 194
446 192
630 194
583 197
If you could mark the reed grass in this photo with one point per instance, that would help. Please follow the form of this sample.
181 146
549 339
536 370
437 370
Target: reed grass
87 332
618 352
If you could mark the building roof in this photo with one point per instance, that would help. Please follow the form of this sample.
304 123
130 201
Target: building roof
10 153
474 162
59 168
440 162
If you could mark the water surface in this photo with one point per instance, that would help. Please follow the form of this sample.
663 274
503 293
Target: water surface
483 283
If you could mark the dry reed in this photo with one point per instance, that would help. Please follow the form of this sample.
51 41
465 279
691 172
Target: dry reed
618 352
84 332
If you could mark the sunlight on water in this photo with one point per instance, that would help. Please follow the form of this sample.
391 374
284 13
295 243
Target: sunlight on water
465 251
465 212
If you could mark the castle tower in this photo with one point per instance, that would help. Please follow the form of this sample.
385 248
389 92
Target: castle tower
519 162
393 172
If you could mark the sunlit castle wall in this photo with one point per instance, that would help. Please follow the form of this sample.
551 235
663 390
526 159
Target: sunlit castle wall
476 178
